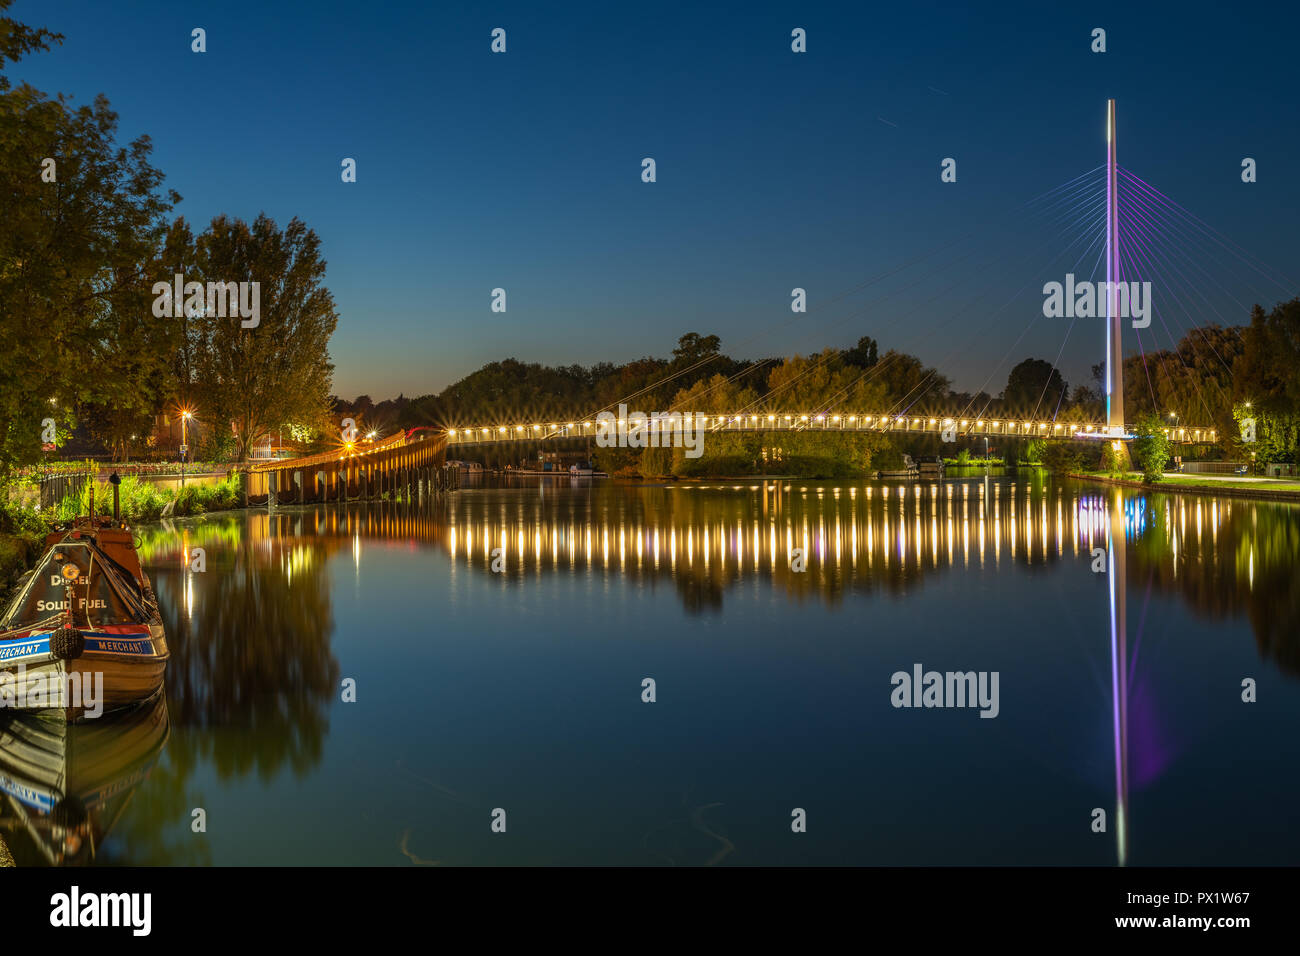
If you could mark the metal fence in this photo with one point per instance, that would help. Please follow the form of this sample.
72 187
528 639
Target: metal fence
54 488
1208 467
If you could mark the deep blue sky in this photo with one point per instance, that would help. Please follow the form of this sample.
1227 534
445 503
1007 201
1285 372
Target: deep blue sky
775 170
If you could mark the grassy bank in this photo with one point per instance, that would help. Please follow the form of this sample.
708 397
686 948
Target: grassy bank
144 501
23 528
1270 490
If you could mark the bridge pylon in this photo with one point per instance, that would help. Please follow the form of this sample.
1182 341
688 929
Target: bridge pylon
1114 336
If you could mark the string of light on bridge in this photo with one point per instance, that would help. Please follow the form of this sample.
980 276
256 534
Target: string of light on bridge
1018 428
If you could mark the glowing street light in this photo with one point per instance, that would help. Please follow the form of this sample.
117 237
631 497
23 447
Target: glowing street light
186 415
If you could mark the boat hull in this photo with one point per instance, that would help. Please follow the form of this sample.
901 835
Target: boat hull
120 666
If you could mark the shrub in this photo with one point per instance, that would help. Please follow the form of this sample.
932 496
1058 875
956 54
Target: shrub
1064 457
1151 447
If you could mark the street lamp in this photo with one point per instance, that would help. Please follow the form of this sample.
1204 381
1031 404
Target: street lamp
186 415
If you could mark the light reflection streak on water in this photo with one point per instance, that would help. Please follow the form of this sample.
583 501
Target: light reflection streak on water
836 536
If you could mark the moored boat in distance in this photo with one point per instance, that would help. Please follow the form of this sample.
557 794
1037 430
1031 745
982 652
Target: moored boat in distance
83 634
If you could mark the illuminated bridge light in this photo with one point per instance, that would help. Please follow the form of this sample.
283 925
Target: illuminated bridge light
451 432
771 418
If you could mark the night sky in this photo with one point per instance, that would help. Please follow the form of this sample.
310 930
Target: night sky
775 170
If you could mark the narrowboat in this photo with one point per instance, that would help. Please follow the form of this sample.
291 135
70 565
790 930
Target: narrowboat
83 634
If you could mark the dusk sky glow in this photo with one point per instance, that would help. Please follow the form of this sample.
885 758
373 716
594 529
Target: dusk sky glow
774 170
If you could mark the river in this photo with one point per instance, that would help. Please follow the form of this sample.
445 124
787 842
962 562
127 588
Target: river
497 645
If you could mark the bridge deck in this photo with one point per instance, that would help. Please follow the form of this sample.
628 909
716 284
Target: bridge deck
407 464
790 422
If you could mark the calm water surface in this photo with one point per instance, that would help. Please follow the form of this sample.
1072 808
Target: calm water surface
521 689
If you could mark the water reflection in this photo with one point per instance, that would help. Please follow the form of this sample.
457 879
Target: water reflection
253 651
1225 556
67 785
254 674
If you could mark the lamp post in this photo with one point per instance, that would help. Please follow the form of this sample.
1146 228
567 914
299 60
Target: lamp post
186 415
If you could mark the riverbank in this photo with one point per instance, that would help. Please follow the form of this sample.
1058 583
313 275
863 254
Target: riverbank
1261 489
140 501
15 553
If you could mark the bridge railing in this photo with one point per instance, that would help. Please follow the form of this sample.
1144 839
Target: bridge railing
346 451
791 421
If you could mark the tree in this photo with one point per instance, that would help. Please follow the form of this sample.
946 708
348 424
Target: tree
723 452
83 219
18 39
1266 375
692 347
1151 446
1034 389
1085 405
278 372
909 384
864 355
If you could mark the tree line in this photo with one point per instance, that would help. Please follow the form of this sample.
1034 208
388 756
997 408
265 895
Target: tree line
89 234
1213 378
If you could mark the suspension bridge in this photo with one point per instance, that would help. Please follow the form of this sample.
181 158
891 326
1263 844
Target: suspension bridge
809 422
1126 224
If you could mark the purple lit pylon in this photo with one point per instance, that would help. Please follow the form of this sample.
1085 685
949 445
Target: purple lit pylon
1114 343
